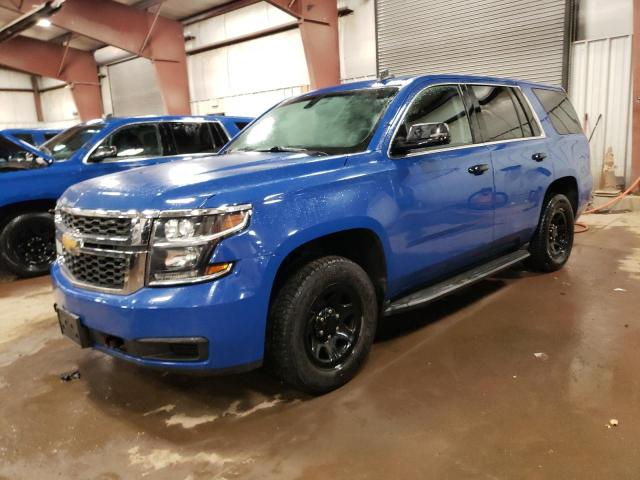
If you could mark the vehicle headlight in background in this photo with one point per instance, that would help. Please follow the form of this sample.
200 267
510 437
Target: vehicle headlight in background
182 245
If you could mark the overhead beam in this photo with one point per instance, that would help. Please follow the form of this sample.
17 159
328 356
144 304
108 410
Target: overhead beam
139 32
228 7
318 22
79 69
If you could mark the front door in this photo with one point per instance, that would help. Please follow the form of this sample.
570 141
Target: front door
134 146
444 193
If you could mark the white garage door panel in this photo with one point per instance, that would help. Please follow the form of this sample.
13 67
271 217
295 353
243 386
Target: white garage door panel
514 38
134 88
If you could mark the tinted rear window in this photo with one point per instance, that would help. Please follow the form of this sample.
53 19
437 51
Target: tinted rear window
192 137
561 113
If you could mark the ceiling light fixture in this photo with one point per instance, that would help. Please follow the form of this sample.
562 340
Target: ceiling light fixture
38 16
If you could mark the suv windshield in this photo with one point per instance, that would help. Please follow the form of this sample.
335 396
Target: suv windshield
64 145
331 123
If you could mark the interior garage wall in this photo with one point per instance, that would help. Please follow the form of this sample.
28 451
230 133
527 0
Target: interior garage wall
601 80
604 19
512 38
601 85
58 107
357 40
18 108
245 78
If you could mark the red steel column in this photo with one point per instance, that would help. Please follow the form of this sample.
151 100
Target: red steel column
37 99
76 67
318 20
137 31
321 45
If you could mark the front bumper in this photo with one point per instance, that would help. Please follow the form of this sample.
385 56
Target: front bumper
225 318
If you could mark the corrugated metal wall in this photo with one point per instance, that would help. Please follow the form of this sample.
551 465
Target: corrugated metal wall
601 84
512 38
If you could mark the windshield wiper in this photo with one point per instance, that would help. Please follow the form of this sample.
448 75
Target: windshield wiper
279 149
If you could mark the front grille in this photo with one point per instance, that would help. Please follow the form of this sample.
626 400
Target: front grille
102 250
93 225
100 271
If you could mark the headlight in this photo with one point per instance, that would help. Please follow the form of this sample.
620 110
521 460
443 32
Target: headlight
182 245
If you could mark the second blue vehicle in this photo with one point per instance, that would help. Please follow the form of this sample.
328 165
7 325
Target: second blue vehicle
332 209
33 178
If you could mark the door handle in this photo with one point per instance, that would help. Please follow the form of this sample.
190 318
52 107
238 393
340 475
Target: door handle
538 157
478 169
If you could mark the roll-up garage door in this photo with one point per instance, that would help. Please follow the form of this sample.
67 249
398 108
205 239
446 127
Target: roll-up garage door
525 39
134 88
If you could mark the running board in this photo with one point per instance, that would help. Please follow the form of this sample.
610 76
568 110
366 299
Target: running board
429 294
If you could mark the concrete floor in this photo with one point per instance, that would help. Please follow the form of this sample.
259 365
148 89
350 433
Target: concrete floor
517 377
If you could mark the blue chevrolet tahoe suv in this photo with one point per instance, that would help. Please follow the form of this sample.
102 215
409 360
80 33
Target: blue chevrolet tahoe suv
332 209
32 182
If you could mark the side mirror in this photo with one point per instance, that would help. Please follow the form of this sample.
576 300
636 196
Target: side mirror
102 152
423 135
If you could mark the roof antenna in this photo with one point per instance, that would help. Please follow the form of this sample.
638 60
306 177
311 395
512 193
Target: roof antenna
385 75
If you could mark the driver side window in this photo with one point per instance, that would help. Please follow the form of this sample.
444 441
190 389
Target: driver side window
136 141
438 104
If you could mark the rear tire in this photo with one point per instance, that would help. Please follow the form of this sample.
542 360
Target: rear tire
27 244
552 243
321 325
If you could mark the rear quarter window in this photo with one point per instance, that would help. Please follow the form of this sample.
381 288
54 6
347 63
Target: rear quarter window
560 111
192 138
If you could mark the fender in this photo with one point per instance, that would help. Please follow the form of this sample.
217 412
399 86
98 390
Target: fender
298 238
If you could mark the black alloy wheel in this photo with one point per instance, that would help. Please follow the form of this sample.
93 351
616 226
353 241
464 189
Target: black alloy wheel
558 236
552 242
321 324
333 327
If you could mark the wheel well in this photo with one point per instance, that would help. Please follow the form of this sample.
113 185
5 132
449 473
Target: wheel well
568 186
9 211
361 246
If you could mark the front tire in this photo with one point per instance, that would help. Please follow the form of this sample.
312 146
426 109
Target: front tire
322 325
27 244
552 243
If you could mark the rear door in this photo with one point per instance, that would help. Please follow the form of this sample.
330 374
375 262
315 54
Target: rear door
521 166
444 193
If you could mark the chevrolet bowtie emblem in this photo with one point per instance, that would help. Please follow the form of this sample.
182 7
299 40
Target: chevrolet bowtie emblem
70 243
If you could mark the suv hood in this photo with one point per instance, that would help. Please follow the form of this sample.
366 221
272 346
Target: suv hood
26 164
232 178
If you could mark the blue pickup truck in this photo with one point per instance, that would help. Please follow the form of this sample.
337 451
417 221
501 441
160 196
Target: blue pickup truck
332 209
32 182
